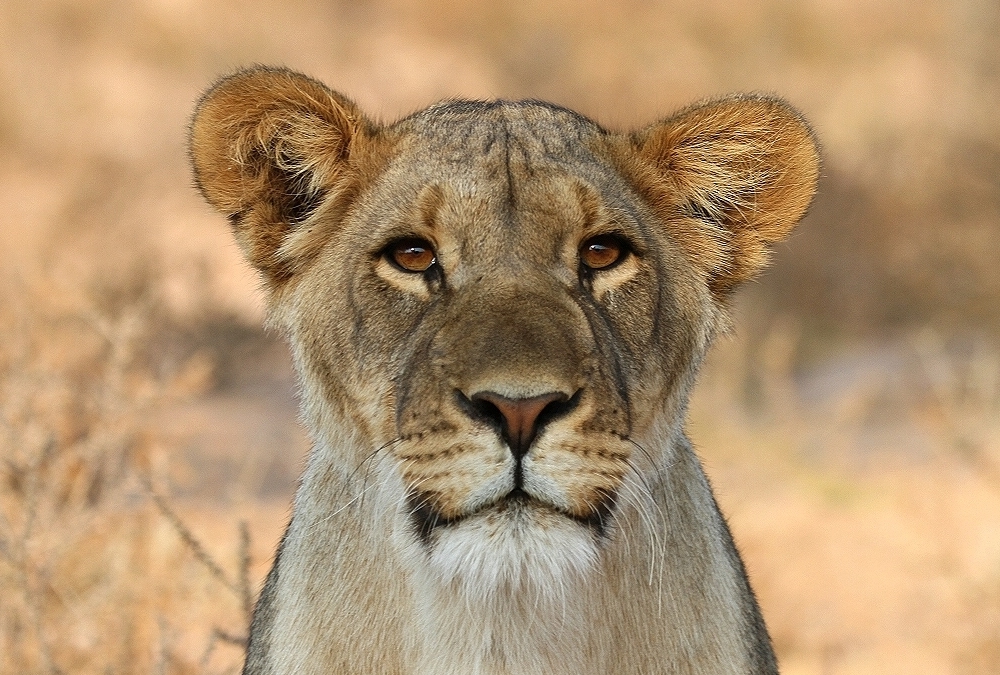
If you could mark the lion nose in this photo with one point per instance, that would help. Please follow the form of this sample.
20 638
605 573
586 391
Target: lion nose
520 419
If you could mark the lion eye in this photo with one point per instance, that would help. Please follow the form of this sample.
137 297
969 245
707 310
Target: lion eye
411 255
602 251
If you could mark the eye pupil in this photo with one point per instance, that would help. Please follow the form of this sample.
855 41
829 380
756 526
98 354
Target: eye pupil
412 255
601 252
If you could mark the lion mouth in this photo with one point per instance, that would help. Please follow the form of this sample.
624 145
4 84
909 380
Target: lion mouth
427 518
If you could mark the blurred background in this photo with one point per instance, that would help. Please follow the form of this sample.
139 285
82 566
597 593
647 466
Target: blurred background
850 424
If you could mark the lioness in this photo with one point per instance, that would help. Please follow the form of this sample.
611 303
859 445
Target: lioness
496 311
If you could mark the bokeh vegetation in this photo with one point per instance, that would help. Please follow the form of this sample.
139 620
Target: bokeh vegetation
148 443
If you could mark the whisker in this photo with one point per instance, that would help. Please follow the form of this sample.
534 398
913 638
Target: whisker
364 487
388 476
329 516
657 468
367 460
412 488
641 504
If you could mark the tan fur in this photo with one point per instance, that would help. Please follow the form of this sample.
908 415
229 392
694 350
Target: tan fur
423 541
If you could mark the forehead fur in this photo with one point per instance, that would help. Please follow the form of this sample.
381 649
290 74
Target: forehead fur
459 134
486 113
501 151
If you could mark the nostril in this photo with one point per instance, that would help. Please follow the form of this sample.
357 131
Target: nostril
519 419
486 411
555 409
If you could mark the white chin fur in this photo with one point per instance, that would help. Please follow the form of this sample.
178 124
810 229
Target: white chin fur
520 549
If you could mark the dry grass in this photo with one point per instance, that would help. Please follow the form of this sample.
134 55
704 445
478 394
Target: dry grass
851 429
868 509
99 572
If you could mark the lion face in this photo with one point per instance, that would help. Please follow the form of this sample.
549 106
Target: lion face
496 304
503 295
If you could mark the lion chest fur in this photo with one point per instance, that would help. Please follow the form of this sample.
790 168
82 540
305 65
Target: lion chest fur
496 311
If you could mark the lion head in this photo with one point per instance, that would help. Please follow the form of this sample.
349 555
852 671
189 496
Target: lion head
497 308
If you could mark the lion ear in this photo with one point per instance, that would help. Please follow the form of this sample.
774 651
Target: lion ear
728 178
268 147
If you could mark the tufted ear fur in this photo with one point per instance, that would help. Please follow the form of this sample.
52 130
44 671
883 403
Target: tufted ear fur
728 178
269 146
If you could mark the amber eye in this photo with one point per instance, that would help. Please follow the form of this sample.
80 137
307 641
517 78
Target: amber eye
602 251
411 255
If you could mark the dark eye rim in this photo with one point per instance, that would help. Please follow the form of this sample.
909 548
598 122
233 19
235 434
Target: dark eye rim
624 246
388 250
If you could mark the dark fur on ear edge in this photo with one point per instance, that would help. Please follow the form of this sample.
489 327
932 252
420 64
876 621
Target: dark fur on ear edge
728 178
268 145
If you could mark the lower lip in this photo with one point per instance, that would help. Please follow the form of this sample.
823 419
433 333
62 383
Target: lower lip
427 520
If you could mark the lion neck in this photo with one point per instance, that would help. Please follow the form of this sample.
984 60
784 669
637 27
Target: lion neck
655 572
513 632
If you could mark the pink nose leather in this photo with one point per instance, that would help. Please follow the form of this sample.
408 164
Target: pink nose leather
520 415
